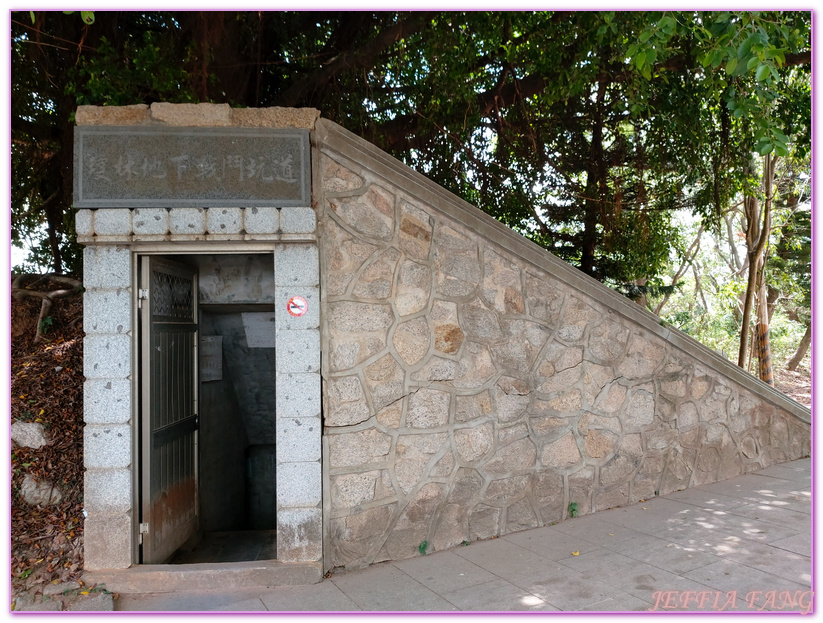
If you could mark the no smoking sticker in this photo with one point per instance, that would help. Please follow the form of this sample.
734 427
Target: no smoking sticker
297 306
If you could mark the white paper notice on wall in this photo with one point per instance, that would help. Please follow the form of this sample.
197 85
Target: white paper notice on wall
211 358
259 327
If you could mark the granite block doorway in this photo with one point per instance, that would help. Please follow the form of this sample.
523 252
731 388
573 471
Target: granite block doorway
208 409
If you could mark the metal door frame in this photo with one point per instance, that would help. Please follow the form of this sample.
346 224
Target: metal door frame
145 263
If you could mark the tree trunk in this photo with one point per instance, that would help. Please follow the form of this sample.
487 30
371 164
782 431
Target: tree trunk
756 238
802 349
642 300
764 352
595 180
688 260
748 298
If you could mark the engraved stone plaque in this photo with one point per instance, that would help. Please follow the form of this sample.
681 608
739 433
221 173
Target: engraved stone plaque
152 166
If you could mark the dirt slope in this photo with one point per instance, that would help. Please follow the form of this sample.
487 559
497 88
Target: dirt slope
47 387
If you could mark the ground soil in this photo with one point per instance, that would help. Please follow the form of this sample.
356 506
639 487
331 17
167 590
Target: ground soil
47 387
797 384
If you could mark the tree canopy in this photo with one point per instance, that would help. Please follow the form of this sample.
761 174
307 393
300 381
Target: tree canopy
581 130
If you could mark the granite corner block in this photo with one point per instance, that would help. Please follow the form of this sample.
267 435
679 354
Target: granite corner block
299 534
261 220
84 222
223 221
287 317
107 311
298 439
107 490
187 221
202 114
135 114
298 351
107 541
299 485
106 266
107 401
150 221
298 395
298 220
296 264
112 222
107 356
107 446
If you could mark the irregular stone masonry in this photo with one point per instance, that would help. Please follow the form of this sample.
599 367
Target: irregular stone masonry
469 395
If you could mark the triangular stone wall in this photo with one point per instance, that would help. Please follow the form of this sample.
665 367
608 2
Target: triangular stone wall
475 385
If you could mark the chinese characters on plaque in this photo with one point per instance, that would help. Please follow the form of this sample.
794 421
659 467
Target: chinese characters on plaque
198 167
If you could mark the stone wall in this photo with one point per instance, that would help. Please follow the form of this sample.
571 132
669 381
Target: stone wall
474 386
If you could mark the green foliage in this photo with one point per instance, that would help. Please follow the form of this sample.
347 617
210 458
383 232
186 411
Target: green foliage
139 70
46 324
86 16
573 509
423 547
707 303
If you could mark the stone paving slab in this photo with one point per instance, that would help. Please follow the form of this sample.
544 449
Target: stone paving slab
598 560
451 573
594 530
184 601
247 605
570 590
751 486
683 552
325 596
799 544
497 595
728 576
799 470
620 603
387 589
642 580
775 514
706 499
504 559
673 557
773 560
552 543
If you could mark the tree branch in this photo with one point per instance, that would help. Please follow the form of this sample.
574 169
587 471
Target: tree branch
364 57
20 291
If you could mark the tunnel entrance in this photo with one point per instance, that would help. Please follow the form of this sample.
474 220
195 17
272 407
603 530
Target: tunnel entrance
208 430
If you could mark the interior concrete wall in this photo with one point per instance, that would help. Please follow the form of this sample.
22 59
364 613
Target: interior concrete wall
250 370
238 412
236 278
223 442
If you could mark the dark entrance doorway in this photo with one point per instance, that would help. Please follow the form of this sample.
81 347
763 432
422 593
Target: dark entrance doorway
229 370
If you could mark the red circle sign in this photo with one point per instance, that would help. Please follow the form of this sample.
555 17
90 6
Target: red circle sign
297 306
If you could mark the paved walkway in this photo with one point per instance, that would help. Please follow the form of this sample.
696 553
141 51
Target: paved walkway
741 544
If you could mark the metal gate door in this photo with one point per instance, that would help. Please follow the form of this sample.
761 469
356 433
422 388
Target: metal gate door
168 320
